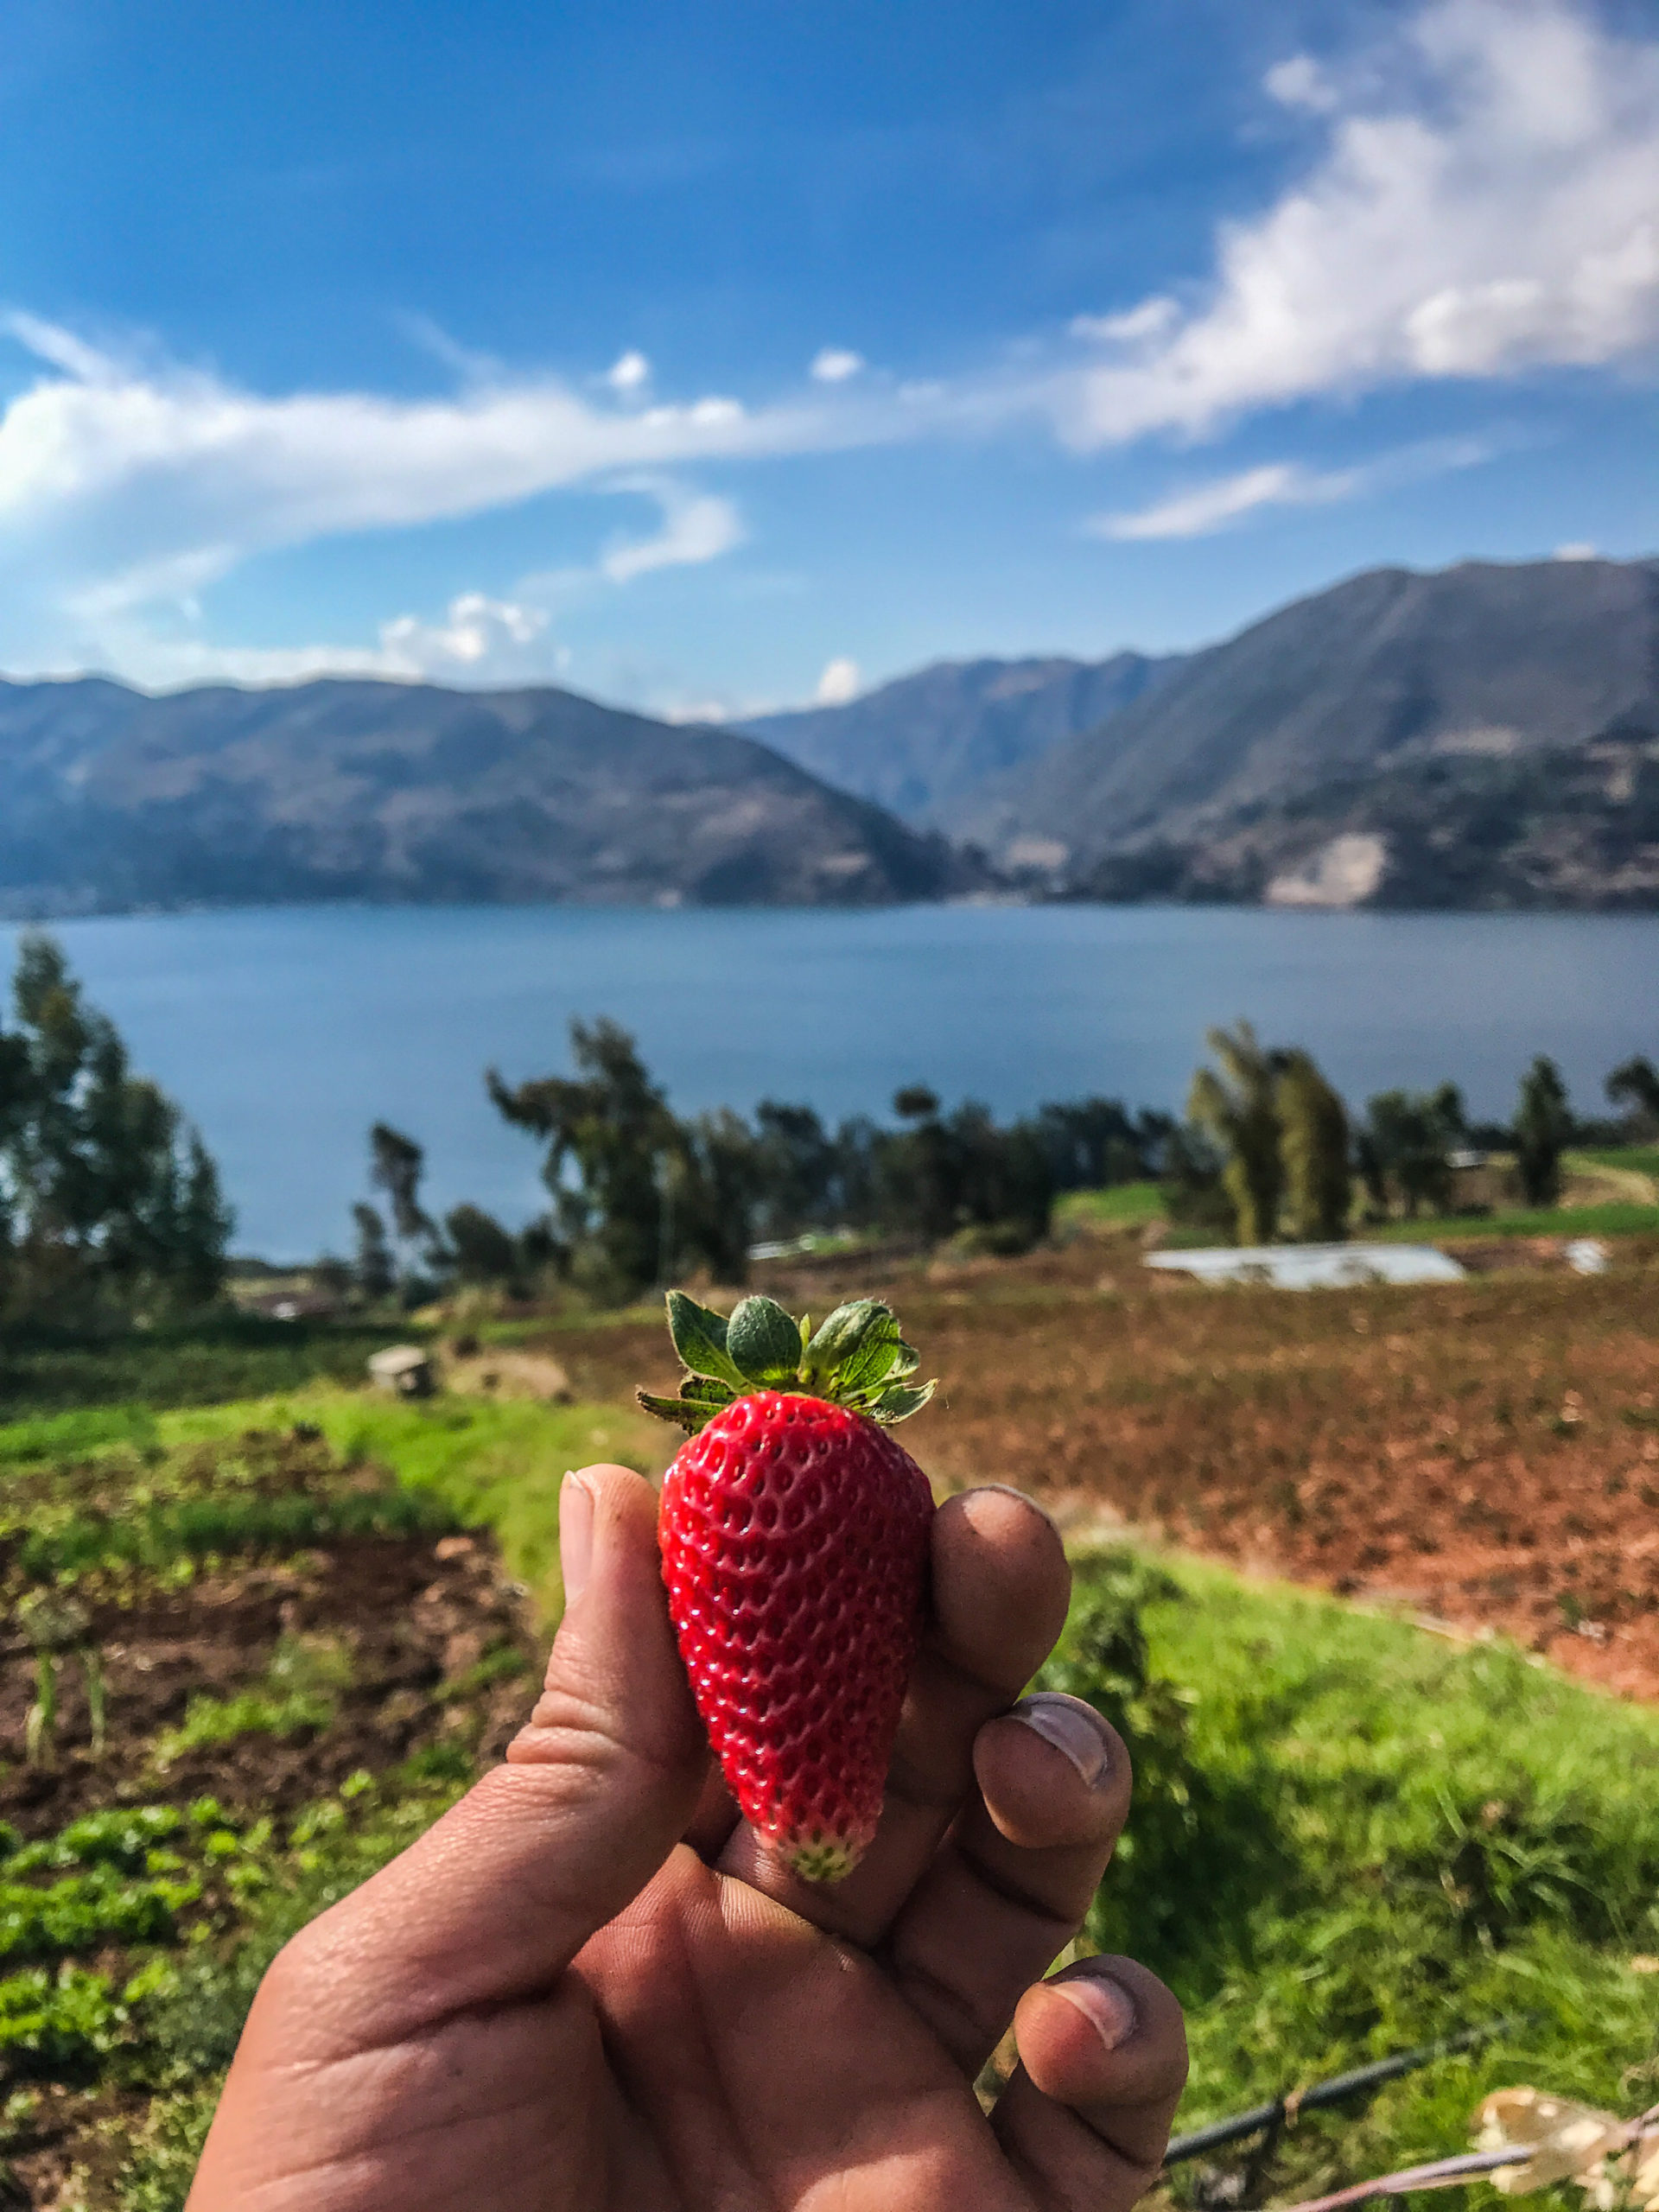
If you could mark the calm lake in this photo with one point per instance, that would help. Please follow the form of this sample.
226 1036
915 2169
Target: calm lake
284 1032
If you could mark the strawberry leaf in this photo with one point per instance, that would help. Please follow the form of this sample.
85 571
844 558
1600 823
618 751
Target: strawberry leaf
856 1358
878 1350
900 1402
706 1391
700 1339
688 1413
762 1339
840 1336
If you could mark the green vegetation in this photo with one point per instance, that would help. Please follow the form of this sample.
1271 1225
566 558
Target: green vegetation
1643 1159
1124 1205
84 1380
488 1464
109 1205
1349 1837
1617 1219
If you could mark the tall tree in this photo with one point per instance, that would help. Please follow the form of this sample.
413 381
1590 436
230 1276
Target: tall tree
107 1196
1543 1129
482 1250
1405 1149
1238 1107
613 1152
373 1270
1313 1151
1635 1086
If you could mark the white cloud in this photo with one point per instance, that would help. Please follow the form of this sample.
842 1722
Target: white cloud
476 629
1208 507
1201 509
838 683
834 364
697 527
186 461
629 372
1492 210
1580 550
1301 82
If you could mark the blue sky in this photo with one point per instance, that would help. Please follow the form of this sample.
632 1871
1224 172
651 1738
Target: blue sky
712 357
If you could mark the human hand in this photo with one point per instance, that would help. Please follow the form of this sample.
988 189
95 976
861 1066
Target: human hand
591 1986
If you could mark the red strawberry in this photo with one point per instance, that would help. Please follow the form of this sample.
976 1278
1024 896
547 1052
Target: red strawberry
794 1534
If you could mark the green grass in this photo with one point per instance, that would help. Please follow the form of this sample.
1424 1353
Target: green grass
1122 1205
210 1721
458 1462
1352 1837
233 1356
1643 1158
1619 1218
496 1464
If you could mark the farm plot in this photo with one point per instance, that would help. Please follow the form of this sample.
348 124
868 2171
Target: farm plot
1486 1453
235 1678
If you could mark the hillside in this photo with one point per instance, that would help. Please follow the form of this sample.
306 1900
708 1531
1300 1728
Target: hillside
110 798
1485 735
926 745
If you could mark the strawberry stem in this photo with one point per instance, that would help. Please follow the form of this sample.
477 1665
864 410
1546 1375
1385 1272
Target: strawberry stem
855 1358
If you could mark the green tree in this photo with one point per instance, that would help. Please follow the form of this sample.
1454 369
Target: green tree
1543 1129
1238 1107
1405 1149
108 1197
1313 1152
371 1269
615 1157
481 1250
1635 1086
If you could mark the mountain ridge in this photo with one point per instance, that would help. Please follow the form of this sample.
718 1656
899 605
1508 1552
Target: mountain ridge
111 798
924 744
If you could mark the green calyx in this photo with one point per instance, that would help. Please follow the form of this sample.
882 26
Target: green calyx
856 1358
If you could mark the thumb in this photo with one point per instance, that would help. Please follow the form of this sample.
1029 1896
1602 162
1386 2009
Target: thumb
494 1901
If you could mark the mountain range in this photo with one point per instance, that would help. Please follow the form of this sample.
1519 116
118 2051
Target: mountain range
927 745
1484 736
111 799
1487 735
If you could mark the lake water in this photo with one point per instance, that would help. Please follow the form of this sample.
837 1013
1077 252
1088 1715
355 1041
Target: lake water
284 1032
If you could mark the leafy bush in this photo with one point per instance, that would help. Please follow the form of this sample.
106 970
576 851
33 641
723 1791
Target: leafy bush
209 1720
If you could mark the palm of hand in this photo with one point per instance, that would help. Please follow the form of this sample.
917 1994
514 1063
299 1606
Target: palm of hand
547 2004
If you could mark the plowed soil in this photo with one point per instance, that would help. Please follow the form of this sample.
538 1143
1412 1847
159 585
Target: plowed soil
404 1615
1484 1455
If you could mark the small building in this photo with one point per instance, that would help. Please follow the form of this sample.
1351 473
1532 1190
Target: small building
404 1370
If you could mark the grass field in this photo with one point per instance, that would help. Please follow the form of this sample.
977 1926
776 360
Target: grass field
1619 1218
1351 1838
242 1356
1350 1834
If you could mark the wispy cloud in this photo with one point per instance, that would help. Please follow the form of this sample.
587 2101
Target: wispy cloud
1492 209
1199 509
1208 507
834 364
697 526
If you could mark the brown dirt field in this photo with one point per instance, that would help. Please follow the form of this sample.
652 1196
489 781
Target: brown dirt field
405 1616
1484 1454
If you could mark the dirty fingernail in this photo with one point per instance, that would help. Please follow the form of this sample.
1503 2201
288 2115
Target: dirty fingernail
576 1535
1070 1728
1103 2004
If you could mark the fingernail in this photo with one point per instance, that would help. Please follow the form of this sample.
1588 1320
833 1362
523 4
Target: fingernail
1007 1490
1070 1728
576 1535
1106 2007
